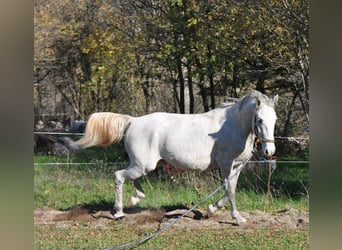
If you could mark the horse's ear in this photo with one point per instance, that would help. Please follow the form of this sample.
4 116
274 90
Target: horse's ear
258 102
275 99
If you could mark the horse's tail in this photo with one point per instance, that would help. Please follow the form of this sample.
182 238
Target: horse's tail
104 129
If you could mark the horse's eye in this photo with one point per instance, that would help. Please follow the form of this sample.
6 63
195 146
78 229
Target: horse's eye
260 120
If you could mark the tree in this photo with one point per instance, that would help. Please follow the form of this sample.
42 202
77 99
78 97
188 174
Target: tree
140 56
92 67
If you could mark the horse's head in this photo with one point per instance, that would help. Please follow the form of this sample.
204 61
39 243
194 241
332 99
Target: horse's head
264 123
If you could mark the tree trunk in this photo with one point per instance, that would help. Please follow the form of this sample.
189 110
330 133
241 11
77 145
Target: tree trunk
191 92
212 91
181 87
145 87
175 96
260 84
204 96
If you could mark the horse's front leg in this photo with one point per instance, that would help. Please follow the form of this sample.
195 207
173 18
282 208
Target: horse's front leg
230 187
224 172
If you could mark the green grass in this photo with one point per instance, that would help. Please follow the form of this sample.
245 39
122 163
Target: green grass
114 153
86 237
64 187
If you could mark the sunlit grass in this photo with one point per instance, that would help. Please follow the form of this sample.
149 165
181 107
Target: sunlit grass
87 237
64 187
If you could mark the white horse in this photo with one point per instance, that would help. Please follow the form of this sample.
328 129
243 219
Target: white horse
221 138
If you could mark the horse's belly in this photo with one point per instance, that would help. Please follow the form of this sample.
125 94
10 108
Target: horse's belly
188 160
189 165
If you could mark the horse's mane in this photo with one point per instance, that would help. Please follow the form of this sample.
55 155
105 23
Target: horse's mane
228 102
258 96
261 97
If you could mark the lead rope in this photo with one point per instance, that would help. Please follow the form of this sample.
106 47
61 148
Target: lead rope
144 240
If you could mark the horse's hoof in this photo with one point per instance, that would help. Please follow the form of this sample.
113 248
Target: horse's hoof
133 201
211 210
240 220
118 216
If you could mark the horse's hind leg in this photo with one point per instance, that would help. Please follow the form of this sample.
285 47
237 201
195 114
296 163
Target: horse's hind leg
139 194
121 176
119 181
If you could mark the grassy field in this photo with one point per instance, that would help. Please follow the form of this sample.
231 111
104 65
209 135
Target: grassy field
87 237
64 187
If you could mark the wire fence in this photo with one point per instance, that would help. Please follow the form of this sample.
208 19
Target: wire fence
53 145
290 138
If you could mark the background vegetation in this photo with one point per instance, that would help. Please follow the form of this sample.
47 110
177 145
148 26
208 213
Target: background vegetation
182 56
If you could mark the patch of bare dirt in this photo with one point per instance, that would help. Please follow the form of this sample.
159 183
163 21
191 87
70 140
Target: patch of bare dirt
287 218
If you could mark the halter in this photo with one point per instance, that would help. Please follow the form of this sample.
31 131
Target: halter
265 140
255 131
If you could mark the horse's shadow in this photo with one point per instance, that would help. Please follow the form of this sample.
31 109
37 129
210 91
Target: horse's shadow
169 212
177 211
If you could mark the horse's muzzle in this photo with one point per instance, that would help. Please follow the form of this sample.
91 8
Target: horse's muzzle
268 148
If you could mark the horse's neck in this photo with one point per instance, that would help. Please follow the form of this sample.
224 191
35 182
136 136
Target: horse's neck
243 119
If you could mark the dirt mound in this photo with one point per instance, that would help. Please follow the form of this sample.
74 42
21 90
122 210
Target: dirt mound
287 218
